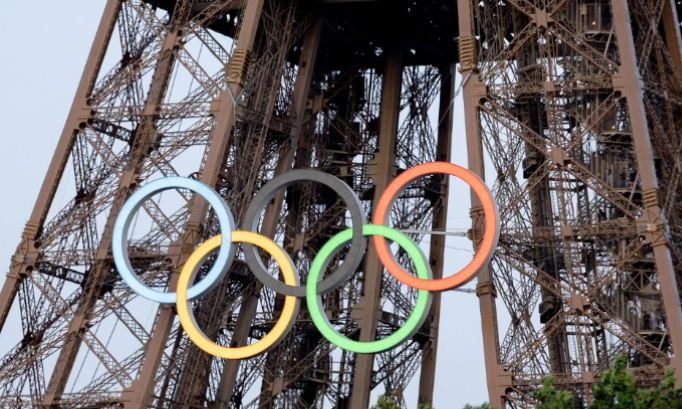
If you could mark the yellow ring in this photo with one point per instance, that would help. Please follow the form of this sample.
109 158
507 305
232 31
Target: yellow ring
286 319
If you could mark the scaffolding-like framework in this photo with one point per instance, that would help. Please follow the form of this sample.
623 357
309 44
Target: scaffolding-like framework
231 93
573 117
572 112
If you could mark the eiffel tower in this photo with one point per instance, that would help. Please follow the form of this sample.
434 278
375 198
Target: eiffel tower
572 116
231 93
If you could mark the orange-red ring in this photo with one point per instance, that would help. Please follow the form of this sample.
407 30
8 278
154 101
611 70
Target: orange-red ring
490 236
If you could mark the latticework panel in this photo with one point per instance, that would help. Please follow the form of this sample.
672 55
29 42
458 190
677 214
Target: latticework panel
585 179
231 93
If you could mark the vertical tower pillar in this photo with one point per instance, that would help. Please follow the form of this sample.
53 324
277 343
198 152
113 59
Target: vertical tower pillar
473 90
629 84
384 171
445 122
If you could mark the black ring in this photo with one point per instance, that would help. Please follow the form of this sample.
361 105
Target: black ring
267 192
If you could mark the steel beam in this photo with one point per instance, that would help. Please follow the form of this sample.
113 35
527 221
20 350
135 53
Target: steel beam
473 90
383 169
26 253
440 220
145 136
140 393
629 83
304 77
671 28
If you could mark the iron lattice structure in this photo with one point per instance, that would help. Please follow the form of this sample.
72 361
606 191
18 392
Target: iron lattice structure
573 115
232 93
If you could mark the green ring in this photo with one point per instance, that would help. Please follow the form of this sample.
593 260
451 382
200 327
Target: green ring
314 301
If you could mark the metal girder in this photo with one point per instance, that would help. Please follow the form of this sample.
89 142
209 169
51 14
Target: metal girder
577 136
268 92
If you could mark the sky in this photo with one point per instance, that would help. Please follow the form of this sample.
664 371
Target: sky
43 50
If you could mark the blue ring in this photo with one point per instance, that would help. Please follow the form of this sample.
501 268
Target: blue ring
119 242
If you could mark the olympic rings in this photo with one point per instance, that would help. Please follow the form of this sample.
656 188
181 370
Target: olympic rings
285 321
314 301
119 241
315 286
487 247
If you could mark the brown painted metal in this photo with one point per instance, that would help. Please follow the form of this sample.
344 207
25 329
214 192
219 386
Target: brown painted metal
272 212
427 376
265 111
383 170
143 139
629 83
671 26
549 124
573 121
473 90
141 394
26 252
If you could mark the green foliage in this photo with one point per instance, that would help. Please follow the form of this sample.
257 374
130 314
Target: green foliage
615 390
666 396
549 398
386 402
391 402
483 406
